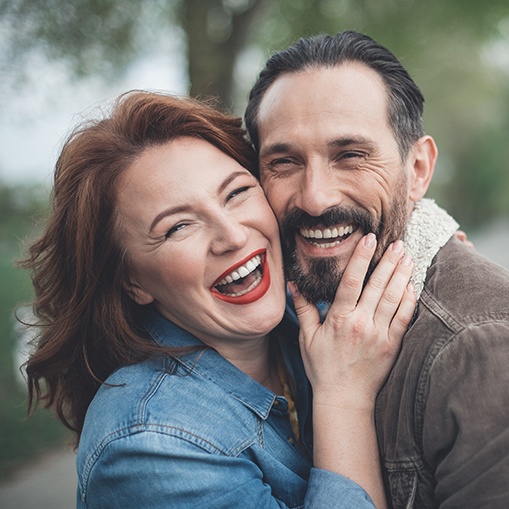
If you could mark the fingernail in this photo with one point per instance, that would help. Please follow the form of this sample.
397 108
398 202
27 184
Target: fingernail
370 240
406 261
410 287
397 246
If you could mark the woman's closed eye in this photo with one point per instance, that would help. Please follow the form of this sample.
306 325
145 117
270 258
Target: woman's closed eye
237 192
174 229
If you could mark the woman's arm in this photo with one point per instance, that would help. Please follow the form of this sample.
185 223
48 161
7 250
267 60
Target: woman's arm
348 358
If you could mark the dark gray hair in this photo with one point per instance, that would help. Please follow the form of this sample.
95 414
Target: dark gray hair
406 101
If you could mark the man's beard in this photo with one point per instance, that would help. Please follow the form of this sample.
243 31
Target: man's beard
319 280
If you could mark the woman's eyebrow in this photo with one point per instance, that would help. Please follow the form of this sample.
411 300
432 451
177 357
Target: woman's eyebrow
230 179
168 212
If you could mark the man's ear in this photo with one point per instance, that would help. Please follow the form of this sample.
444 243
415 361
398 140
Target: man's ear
138 294
423 158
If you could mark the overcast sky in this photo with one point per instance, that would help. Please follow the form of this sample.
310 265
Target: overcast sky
36 115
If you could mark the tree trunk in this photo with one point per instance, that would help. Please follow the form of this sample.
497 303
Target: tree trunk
216 34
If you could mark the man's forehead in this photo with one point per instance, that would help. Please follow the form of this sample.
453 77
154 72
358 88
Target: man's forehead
349 72
331 103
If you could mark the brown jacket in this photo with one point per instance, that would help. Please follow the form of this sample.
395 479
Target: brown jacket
443 415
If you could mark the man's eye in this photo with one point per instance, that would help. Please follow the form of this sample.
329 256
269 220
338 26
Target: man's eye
282 165
282 161
352 155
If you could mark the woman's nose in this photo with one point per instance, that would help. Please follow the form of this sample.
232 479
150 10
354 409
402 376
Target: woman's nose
229 235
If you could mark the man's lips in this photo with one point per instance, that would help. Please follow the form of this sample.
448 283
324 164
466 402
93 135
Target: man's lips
245 282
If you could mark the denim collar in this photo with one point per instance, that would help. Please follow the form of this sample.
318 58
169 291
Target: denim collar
211 365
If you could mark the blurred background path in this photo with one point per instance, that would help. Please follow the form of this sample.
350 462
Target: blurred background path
49 483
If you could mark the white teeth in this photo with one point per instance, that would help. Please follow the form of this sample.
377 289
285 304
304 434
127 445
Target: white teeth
254 284
242 271
328 244
250 266
326 233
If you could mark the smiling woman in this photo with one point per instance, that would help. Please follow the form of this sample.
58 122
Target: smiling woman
165 344
217 227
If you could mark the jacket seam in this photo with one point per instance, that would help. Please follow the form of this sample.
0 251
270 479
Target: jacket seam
454 327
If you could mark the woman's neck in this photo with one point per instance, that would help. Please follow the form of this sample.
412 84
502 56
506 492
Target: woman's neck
257 360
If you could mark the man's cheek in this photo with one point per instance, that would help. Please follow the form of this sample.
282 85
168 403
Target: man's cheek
277 205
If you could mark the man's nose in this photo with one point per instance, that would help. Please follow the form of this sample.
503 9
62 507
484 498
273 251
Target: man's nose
228 235
319 189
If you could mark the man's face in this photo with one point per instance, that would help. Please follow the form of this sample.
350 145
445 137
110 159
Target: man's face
331 169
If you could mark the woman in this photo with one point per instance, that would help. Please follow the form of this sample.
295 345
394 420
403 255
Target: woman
160 289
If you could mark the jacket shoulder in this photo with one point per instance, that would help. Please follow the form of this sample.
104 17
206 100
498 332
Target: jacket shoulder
466 286
155 396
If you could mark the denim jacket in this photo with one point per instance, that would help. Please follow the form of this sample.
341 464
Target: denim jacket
443 415
198 432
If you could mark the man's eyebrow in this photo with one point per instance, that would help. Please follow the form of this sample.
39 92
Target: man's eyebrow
185 208
351 140
276 148
347 141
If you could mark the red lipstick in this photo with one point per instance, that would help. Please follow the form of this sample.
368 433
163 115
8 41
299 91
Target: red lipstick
256 293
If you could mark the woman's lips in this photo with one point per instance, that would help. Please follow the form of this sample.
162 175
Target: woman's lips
245 282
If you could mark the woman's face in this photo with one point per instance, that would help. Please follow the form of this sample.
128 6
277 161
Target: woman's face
202 242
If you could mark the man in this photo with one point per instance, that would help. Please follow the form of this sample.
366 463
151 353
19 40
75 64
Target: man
338 125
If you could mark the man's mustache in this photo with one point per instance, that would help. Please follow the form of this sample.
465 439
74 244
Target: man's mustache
298 218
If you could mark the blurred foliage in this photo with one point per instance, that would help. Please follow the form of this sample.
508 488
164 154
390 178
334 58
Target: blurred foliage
20 208
104 36
21 437
96 35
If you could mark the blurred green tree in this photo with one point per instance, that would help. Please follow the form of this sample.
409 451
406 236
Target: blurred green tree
21 438
104 36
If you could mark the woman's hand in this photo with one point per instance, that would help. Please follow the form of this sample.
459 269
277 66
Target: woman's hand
462 237
350 355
